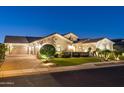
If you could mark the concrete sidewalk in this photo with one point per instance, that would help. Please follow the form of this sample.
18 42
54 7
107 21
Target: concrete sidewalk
11 73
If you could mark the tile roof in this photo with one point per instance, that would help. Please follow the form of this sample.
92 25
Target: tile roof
118 41
25 39
20 39
31 39
87 40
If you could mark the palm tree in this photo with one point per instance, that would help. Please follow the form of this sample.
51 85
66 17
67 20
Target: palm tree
89 51
105 54
3 49
98 52
117 55
118 50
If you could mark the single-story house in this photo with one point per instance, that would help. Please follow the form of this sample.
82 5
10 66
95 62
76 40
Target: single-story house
67 42
119 44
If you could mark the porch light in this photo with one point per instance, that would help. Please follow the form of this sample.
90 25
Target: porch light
29 48
38 46
70 47
85 50
80 47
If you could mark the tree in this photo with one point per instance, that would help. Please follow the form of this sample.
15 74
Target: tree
118 50
89 49
3 49
105 54
47 52
98 52
117 54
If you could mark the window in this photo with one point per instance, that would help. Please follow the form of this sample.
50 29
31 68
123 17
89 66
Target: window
58 49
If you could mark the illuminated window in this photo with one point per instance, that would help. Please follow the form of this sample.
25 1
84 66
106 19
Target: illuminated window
58 48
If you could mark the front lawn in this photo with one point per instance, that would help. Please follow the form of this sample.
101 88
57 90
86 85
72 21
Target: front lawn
74 61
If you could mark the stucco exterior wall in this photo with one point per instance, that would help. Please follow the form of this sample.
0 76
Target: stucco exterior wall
61 44
83 47
105 44
102 44
17 48
58 42
71 36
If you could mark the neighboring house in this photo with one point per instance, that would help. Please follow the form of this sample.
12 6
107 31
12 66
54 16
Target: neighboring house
119 44
68 42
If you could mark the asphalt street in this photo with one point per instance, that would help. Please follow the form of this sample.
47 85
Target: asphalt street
102 77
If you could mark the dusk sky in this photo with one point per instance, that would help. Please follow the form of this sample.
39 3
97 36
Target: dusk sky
86 22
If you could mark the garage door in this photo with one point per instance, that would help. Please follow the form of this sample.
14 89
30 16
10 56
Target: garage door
19 49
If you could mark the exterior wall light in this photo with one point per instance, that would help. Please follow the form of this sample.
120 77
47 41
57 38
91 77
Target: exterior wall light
70 47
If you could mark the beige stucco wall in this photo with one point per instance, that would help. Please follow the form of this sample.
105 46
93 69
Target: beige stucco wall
60 43
105 44
83 47
102 44
11 47
71 37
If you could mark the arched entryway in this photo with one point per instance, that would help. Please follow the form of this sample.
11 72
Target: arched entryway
36 48
48 46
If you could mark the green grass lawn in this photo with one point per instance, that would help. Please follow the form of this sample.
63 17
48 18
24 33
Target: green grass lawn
74 61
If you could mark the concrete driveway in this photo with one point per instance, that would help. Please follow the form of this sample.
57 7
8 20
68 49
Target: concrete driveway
19 62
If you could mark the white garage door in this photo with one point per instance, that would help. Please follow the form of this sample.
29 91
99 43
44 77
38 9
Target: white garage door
19 49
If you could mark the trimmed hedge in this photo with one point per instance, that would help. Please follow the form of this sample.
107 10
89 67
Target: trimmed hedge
3 49
74 54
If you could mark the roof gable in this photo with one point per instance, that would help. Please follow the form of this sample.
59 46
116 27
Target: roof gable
55 35
28 39
87 40
70 33
93 40
106 40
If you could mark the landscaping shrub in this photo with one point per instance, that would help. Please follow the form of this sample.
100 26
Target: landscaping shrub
75 54
66 54
117 55
56 55
47 52
105 54
3 49
84 54
59 54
